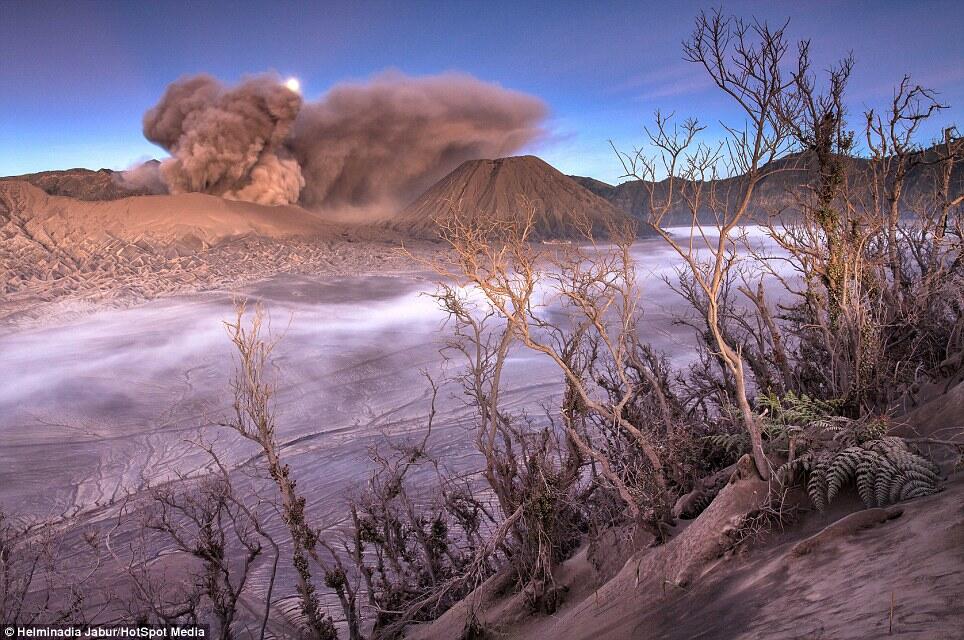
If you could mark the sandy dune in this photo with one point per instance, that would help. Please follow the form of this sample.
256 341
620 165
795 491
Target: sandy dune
862 578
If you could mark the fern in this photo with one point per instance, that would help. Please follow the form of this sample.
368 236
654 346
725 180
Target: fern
870 461
817 484
883 470
835 452
797 410
843 470
780 419
728 444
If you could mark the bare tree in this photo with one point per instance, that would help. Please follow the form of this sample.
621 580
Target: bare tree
891 140
878 269
254 420
745 61
598 289
531 471
40 581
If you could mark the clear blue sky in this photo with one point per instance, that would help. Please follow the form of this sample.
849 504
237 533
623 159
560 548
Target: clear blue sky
75 77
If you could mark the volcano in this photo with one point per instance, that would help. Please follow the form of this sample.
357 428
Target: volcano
505 188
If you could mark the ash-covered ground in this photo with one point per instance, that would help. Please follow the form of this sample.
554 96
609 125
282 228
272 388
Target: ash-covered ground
98 406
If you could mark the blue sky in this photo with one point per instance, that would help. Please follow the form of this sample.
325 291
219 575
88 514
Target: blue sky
76 77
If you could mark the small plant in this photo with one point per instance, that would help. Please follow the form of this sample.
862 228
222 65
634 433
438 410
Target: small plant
884 471
796 410
829 452
783 421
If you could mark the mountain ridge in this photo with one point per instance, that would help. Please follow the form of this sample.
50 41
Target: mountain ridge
774 194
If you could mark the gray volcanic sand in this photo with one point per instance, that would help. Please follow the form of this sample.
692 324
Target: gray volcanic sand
97 407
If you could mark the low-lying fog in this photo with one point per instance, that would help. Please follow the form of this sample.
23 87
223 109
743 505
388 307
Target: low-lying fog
96 407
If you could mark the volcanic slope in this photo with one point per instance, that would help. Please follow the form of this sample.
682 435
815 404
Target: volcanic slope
504 189
162 219
139 247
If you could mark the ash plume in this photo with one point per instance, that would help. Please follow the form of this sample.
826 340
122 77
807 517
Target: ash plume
144 176
228 141
383 142
372 145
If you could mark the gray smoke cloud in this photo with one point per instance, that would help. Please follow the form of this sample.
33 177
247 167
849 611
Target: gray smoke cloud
368 145
142 176
385 141
228 141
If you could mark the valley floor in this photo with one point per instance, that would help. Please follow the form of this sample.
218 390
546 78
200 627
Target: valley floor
120 358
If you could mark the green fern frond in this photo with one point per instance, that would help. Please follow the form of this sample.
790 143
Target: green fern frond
793 409
884 471
842 471
817 485
730 444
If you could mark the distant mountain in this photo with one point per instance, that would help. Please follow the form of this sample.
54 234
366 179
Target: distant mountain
86 184
776 193
496 188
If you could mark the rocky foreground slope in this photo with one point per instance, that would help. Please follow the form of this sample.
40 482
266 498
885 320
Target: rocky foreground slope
876 573
739 573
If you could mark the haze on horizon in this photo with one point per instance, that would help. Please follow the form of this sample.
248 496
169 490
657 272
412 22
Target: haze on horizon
76 79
